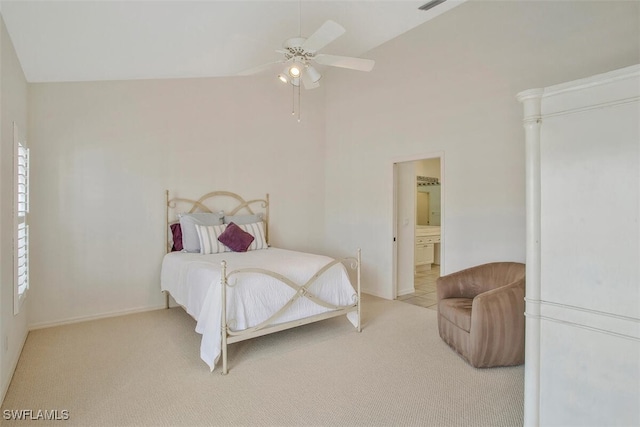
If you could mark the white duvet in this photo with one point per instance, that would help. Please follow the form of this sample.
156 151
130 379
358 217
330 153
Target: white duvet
193 280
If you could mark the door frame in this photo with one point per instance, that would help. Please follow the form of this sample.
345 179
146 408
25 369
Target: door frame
394 225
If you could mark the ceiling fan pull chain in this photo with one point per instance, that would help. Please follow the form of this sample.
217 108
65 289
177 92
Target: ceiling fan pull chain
298 103
293 100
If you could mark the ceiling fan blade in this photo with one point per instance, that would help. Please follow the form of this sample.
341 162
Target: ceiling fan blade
345 62
328 32
307 80
259 68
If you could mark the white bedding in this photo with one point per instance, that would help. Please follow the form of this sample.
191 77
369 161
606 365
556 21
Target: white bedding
194 282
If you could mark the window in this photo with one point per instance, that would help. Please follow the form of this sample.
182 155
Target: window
21 237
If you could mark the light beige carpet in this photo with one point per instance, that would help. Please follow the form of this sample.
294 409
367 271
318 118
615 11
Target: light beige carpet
144 369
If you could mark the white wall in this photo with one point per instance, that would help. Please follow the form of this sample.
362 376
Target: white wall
449 86
13 108
104 153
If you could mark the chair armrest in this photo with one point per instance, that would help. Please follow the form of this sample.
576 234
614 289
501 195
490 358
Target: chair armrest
506 299
498 326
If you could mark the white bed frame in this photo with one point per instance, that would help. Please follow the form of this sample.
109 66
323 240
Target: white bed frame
302 290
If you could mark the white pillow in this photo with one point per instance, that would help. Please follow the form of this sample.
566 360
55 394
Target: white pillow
256 229
208 238
243 219
188 223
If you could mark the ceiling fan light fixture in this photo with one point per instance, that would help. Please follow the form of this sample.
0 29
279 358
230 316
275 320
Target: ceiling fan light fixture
313 74
295 70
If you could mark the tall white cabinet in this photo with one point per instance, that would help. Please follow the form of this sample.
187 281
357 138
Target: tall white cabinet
582 362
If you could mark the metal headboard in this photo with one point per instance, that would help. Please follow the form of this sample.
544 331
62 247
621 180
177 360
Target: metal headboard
203 205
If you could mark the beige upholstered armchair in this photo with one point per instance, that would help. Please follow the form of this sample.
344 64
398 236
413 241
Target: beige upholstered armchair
481 313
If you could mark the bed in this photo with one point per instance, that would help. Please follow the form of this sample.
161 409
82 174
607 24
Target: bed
236 294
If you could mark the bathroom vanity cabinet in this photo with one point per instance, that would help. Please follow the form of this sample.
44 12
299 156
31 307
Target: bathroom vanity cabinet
426 239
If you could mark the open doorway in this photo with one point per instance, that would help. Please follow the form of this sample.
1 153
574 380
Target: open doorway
418 229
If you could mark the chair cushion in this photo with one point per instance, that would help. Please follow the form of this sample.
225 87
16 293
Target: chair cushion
457 311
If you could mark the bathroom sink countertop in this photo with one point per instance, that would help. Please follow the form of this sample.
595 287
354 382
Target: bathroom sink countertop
427 230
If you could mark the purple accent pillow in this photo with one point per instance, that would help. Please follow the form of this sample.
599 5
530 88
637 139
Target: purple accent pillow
176 232
235 238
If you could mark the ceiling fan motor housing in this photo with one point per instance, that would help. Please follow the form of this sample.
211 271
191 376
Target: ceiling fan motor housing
293 49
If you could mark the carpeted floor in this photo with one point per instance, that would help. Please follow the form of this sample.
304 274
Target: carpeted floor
144 369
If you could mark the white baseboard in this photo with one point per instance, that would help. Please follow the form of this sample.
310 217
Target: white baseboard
79 319
405 291
14 365
375 294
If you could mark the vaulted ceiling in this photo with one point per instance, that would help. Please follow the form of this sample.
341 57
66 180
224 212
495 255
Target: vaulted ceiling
60 41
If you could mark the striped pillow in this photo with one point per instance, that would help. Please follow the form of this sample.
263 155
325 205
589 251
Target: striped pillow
256 229
208 236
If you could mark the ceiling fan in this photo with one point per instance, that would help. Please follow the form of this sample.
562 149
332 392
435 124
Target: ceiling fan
300 53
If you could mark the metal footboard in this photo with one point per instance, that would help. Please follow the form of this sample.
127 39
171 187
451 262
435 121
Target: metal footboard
302 291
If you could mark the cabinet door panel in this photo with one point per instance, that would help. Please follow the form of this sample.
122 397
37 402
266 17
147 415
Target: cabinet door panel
421 255
429 253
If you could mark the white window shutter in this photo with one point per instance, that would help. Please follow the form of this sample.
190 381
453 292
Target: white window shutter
21 209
